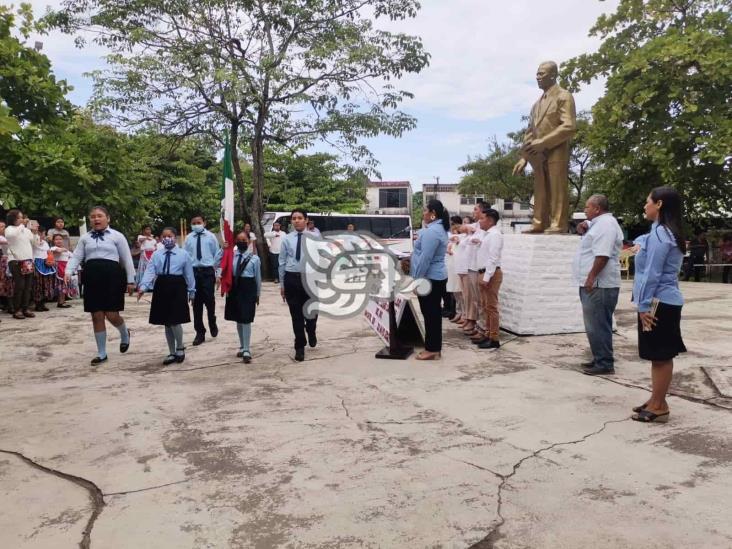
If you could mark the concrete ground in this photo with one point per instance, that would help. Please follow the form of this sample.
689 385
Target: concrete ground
506 449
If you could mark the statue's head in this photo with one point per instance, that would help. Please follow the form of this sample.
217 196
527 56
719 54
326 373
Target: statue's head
547 74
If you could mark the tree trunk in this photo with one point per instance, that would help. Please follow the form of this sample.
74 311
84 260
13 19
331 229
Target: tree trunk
257 207
238 178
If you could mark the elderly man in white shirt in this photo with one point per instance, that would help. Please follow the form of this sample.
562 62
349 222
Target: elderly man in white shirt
490 277
596 272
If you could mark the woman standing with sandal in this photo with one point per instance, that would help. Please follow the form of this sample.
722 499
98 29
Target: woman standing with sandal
169 274
20 262
243 297
428 261
658 298
108 271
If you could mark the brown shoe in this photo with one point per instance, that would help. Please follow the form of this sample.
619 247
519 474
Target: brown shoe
19 316
28 314
427 355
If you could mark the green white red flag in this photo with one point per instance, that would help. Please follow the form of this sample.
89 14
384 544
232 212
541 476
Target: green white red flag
227 221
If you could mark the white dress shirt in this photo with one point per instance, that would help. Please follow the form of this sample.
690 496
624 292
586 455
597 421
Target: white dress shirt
40 249
604 238
274 238
114 247
473 243
20 242
460 249
490 251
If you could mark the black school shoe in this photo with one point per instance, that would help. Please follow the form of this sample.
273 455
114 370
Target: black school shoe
124 346
200 338
213 328
490 344
595 371
98 360
180 357
169 360
312 339
300 354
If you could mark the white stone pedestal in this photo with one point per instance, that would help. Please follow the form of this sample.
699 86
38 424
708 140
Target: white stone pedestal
538 295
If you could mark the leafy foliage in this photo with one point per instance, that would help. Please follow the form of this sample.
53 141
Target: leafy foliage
666 116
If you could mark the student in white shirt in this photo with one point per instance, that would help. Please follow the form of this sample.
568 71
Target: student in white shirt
61 256
490 277
20 262
44 272
107 267
252 247
274 241
472 297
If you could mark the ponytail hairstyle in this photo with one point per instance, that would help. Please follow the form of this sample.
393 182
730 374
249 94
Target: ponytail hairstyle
670 213
440 212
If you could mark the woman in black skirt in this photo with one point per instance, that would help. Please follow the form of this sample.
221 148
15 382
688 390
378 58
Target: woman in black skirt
108 272
659 300
243 298
169 273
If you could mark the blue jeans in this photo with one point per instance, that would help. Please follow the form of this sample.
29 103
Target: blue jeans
597 309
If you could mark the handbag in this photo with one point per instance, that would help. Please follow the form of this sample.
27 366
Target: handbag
26 267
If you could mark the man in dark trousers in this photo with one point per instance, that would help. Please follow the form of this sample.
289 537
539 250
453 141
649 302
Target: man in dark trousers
291 267
204 248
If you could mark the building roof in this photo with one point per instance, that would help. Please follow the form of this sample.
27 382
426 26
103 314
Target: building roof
389 184
439 187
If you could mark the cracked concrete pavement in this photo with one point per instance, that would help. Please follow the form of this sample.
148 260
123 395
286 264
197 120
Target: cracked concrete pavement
506 449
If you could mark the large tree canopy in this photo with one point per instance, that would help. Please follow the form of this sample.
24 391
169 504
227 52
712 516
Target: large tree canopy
666 116
284 72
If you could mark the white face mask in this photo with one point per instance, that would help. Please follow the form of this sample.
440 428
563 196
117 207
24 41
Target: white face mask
197 228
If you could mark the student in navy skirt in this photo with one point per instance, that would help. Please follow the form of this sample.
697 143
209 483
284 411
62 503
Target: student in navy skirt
169 273
108 273
659 300
243 297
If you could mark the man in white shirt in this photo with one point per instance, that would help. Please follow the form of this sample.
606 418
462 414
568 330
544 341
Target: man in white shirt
471 291
490 276
313 229
274 241
596 271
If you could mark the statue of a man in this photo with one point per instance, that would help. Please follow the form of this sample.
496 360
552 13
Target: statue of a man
552 124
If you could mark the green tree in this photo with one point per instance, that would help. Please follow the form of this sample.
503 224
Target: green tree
285 72
491 175
666 116
417 207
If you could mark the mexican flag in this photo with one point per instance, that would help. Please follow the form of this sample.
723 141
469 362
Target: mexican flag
227 221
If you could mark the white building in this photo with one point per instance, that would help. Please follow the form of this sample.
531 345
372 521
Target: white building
515 216
389 197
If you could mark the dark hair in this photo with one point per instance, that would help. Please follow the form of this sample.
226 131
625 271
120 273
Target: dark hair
493 214
171 229
670 213
57 235
100 208
41 229
194 216
246 234
148 227
456 220
59 218
12 216
441 212
299 210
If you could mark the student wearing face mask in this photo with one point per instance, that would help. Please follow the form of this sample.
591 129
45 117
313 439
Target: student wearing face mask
203 247
170 274
243 297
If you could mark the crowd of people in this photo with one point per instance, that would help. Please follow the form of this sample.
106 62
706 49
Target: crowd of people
461 257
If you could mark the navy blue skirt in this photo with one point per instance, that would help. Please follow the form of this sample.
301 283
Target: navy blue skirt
664 342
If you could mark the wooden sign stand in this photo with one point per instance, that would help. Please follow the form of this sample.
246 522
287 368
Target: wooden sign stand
401 335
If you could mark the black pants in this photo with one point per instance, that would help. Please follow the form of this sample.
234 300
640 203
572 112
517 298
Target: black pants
274 264
725 273
205 289
432 312
691 269
23 287
296 297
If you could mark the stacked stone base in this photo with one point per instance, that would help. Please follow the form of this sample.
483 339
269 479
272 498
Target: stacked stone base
538 295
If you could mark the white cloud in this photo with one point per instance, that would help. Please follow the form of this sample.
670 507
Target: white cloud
485 52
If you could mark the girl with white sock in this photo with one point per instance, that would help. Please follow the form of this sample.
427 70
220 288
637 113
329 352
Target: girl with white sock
169 274
243 297
108 272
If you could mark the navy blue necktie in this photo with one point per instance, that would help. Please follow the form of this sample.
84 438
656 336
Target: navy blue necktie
238 265
166 264
297 252
199 255
97 235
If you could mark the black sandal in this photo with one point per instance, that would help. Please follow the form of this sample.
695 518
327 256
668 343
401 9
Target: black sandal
640 408
98 360
644 416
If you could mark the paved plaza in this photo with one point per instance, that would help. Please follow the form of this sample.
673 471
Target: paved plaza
507 449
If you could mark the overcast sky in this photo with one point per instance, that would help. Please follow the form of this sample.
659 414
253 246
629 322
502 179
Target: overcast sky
479 83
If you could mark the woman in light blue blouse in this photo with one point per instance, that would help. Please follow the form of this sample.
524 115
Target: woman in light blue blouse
428 261
169 272
658 298
243 297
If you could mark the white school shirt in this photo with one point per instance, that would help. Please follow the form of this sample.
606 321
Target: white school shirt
20 242
490 251
61 256
40 250
473 247
460 253
274 238
114 247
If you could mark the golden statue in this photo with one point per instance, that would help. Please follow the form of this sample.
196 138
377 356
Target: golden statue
552 124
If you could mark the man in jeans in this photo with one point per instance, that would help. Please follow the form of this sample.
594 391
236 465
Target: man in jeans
597 273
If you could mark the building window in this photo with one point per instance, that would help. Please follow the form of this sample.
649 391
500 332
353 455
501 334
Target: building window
393 198
508 205
429 197
470 200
